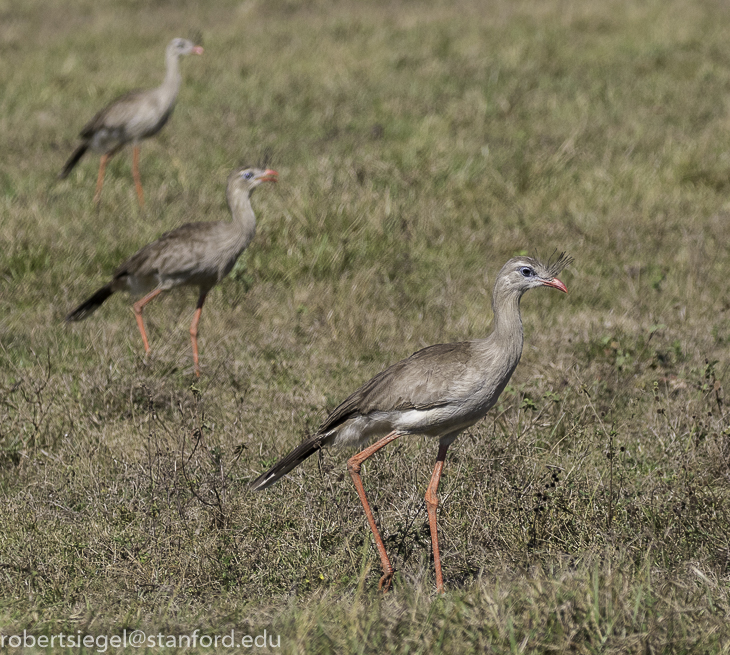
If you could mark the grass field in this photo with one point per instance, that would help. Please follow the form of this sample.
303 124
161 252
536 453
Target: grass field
419 146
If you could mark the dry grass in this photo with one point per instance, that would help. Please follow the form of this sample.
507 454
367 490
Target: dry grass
419 146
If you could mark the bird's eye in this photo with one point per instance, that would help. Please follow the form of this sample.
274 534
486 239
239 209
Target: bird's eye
247 175
527 271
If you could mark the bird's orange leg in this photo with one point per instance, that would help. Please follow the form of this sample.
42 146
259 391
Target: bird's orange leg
194 331
432 502
135 175
137 309
100 179
353 466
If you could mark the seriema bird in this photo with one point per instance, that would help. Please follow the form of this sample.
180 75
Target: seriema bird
437 392
195 254
132 117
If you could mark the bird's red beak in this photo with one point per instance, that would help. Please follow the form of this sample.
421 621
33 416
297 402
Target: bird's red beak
269 175
556 284
198 50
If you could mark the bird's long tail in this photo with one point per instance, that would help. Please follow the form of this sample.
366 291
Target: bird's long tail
73 160
288 462
90 305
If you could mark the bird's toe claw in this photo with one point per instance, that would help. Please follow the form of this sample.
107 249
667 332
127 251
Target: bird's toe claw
386 581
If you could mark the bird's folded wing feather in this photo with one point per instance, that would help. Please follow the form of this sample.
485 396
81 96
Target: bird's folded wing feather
115 114
430 378
177 251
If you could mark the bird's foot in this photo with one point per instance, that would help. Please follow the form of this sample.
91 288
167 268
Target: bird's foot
147 358
386 580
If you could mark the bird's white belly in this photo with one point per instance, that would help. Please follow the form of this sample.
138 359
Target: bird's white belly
106 139
435 422
140 285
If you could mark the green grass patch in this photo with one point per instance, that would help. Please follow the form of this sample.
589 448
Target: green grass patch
419 146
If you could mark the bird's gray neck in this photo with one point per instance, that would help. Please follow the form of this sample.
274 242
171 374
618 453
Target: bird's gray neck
173 80
507 334
244 220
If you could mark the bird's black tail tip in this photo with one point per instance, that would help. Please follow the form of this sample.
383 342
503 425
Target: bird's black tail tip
263 481
287 463
90 305
72 161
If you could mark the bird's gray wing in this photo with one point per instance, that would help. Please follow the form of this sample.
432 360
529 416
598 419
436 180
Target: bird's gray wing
429 378
177 252
116 114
